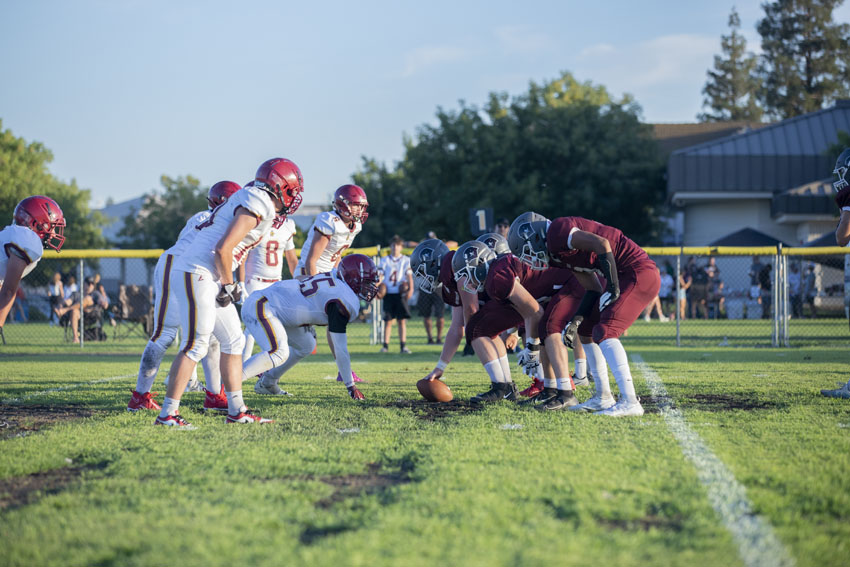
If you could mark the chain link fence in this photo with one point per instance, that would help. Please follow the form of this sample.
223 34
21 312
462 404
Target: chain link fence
709 297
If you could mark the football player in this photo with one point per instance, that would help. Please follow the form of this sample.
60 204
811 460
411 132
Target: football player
398 279
167 320
589 249
518 294
263 266
280 318
841 184
202 279
333 231
37 223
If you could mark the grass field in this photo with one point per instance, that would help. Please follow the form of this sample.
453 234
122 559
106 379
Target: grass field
396 481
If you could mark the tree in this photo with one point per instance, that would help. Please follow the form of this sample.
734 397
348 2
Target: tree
23 172
732 87
164 214
562 148
805 63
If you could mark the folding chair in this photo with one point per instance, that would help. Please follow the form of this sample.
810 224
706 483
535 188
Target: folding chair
133 312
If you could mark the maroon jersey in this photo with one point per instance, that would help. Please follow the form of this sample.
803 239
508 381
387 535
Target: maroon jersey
542 285
627 254
447 279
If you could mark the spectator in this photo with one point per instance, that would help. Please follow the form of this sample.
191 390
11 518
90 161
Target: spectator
503 227
431 305
98 285
699 292
766 288
794 288
684 285
19 307
56 295
398 280
665 292
715 297
755 270
71 288
810 289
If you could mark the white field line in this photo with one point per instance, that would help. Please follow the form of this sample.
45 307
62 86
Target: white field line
63 388
757 544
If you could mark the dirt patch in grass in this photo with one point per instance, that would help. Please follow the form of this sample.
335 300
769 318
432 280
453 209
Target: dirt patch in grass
728 402
18 420
651 404
644 523
373 481
432 411
22 490
311 534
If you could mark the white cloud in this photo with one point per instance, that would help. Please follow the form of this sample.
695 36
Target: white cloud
522 39
422 57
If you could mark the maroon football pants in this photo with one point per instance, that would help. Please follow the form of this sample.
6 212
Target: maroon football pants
638 287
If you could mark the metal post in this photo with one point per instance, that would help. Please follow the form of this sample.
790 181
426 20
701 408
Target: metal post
676 303
80 286
786 313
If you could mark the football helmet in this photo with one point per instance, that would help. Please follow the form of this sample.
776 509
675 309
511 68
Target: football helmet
472 261
282 178
527 240
42 215
839 174
361 275
425 263
496 242
219 193
351 204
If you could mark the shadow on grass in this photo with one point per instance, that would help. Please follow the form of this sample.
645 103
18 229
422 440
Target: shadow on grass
20 491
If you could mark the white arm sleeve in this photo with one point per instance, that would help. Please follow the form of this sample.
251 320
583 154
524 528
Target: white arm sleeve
343 359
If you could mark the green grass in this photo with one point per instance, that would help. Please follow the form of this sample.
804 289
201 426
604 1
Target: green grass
469 488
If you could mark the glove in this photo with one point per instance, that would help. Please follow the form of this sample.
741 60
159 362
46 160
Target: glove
842 199
355 393
243 293
570 334
229 293
608 298
529 360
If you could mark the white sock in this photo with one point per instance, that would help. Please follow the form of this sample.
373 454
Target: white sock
494 369
506 368
149 366
617 360
169 407
565 384
581 368
235 405
598 369
550 383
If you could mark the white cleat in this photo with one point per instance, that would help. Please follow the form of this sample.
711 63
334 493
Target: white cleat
595 403
842 392
623 409
194 386
581 381
269 389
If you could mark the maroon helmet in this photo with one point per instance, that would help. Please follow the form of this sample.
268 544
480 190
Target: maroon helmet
219 193
282 178
361 275
349 196
42 215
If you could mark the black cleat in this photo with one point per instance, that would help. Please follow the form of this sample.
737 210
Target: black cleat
541 397
498 391
563 400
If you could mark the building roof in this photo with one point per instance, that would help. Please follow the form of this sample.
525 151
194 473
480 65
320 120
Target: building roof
747 237
769 160
672 137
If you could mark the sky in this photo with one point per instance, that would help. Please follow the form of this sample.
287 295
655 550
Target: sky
124 91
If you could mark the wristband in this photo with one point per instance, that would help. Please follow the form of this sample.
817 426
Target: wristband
441 364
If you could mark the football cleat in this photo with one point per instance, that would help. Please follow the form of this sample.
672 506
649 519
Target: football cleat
541 397
406 350
245 417
535 388
562 400
842 392
261 387
215 402
581 381
143 401
194 386
353 375
355 393
384 350
174 421
498 391
595 403
623 409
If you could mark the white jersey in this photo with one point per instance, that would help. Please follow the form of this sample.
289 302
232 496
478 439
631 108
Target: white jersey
265 261
330 224
22 242
199 258
395 271
187 235
303 302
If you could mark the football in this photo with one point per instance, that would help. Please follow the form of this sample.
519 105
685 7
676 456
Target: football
382 290
434 390
404 287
